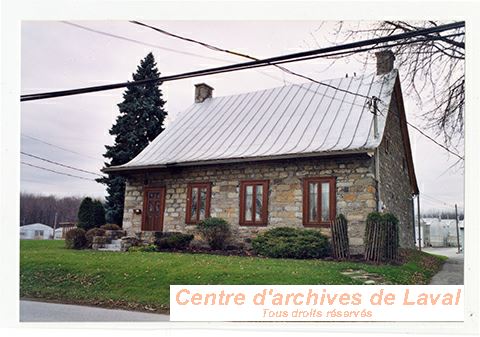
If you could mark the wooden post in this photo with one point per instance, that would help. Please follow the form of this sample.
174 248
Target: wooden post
55 225
419 224
413 219
458 231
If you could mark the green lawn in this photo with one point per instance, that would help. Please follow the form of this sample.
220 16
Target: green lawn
141 280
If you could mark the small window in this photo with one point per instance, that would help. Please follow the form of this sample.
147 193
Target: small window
253 203
387 145
198 202
319 199
38 233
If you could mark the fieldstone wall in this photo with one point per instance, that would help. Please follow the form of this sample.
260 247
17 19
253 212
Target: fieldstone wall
395 191
355 184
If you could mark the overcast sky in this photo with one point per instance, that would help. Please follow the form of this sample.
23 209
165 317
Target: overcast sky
57 56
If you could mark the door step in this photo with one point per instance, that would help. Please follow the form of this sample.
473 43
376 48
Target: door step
114 246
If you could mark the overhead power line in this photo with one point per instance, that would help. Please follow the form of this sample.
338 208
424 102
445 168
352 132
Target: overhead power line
60 164
119 37
434 141
240 54
209 46
346 48
438 201
138 42
57 172
60 147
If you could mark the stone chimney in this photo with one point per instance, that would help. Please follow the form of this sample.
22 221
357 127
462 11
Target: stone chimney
385 60
202 92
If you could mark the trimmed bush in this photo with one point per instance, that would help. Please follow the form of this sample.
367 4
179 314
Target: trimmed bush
215 231
75 239
99 240
91 233
174 240
293 243
111 227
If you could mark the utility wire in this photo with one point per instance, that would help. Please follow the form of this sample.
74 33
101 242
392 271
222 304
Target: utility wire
433 199
59 147
434 141
157 46
57 172
209 46
141 42
60 164
423 133
252 64
205 72
449 168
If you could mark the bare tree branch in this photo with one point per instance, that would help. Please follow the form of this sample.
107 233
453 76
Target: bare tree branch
432 71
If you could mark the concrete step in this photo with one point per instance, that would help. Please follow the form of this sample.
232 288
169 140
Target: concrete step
113 246
110 249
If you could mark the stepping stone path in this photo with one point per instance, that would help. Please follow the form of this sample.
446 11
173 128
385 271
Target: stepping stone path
364 276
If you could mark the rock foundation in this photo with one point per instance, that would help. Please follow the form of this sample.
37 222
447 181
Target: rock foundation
355 192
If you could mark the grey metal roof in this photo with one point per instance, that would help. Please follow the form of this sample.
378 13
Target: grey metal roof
293 120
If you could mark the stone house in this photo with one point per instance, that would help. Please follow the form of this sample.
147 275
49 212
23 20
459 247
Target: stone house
296 155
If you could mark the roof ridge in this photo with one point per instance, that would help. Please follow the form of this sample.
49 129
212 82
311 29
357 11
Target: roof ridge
365 75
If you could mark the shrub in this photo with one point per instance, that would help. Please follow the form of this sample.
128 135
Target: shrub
75 239
99 240
174 240
111 227
148 248
215 231
91 233
285 242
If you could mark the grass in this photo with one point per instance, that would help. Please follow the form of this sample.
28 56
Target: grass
141 281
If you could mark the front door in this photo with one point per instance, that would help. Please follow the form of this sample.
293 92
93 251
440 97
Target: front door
153 209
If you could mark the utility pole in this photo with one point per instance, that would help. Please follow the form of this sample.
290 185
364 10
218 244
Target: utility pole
458 231
55 224
419 224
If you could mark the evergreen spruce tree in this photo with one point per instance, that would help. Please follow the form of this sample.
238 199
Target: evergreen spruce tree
85 214
98 213
140 121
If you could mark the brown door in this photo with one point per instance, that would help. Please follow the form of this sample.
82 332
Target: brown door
153 209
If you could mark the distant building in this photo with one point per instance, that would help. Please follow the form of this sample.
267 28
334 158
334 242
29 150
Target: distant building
63 228
36 231
425 234
461 227
440 232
